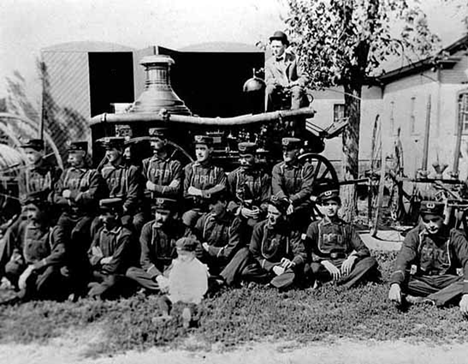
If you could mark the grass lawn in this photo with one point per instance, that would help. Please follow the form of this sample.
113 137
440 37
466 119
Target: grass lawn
239 316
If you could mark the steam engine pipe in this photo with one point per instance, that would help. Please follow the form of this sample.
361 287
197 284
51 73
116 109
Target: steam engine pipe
166 117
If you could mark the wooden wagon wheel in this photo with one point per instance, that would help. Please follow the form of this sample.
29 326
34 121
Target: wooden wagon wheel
376 203
324 177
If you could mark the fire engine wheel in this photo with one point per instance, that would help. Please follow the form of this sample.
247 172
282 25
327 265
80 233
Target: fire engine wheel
324 177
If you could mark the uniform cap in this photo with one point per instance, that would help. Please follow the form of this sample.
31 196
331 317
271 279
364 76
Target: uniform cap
187 244
247 148
203 139
112 142
280 203
279 35
37 198
432 208
163 203
111 204
77 146
291 143
36 144
327 195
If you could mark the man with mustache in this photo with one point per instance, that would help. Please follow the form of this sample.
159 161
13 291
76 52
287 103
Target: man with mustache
276 254
336 251
433 252
220 233
202 177
250 186
33 258
157 244
111 253
292 182
77 194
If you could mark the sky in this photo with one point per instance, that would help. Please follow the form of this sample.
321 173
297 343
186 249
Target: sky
28 25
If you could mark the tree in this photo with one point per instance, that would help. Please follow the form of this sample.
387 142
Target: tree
344 42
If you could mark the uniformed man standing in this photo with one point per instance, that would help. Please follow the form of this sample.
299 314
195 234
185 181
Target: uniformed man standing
157 244
39 175
434 252
336 251
163 174
112 252
276 253
293 181
249 185
202 177
123 181
77 193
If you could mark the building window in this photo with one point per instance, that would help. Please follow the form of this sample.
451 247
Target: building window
412 116
463 111
338 112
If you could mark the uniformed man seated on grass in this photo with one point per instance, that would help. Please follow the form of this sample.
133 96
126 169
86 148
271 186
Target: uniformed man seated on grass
276 255
33 258
157 244
335 250
111 253
433 252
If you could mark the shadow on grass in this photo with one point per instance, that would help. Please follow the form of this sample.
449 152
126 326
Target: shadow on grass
240 316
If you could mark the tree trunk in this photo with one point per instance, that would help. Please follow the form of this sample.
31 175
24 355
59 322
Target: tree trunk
350 159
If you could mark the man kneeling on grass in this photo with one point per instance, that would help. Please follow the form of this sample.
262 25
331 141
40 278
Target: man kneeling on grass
436 252
335 249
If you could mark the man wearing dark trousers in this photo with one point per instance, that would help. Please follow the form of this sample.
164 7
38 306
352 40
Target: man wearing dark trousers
157 244
276 254
434 252
292 181
112 251
77 194
336 252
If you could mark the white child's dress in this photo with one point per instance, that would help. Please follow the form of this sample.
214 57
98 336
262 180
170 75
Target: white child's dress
188 281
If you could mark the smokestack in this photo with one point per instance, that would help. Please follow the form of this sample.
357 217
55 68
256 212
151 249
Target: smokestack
158 92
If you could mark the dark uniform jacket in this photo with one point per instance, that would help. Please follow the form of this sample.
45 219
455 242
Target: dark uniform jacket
250 188
116 243
432 255
124 181
41 246
158 247
223 235
293 181
87 187
207 177
166 174
270 244
40 179
328 240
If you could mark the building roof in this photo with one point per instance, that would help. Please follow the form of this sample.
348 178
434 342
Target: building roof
446 58
87 46
221 47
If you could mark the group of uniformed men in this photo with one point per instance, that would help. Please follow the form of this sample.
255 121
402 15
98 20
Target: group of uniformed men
106 232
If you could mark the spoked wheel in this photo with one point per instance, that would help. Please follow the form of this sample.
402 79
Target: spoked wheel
324 177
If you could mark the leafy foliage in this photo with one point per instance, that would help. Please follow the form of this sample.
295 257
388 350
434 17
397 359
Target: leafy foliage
345 42
238 316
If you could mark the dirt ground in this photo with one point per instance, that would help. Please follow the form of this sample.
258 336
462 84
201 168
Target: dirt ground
77 347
